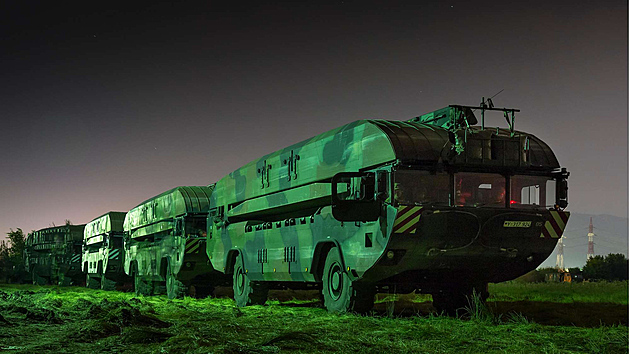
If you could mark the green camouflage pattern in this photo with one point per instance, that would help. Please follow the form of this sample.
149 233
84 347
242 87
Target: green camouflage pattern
287 182
167 233
309 161
103 251
53 255
103 225
157 214
277 211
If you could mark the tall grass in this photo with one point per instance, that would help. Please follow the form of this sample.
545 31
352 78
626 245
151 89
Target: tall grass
83 320
477 311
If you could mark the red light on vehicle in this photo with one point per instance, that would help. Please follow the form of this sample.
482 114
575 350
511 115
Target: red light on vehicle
513 202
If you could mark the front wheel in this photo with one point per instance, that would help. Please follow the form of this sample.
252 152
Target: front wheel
92 282
247 292
340 293
141 286
175 289
107 284
64 280
37 280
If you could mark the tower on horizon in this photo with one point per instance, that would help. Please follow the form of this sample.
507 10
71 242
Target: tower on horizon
591 246
560 256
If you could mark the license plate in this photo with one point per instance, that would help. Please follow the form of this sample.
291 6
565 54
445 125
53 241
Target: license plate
524 224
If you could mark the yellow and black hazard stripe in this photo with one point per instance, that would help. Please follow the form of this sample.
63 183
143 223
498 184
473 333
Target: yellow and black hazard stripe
407 219
193 246
555 225
75 258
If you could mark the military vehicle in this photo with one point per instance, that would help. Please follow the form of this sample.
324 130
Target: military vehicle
165 240
53 255
433 204
103 252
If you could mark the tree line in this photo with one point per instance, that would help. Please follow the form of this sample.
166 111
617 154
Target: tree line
612 267
11 256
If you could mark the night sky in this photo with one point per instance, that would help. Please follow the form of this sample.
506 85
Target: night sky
105 107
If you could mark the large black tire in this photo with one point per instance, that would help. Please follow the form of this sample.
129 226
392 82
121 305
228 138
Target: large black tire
92 282
141 286
37 280
247 292
340 293
175 289
64 280
159 287
107 284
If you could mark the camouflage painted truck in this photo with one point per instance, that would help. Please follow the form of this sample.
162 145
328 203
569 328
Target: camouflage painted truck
103 252
433 204
53 255
165 239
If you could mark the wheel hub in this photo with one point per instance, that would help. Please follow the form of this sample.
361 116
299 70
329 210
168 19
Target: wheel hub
240 282
336 281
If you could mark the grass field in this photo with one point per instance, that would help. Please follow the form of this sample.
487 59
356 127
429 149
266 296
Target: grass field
53 319
615 292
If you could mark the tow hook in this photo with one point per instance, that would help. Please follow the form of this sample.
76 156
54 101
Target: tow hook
509 252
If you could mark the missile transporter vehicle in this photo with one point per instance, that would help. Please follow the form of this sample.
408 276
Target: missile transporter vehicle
165 239
433 204
103 252
53 255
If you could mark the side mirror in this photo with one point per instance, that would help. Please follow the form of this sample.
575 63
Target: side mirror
562 188
562 193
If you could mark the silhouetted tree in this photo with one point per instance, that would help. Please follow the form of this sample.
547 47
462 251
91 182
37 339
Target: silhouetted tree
17 242
575 270
11 253
4 260
595 268
612 267
617 266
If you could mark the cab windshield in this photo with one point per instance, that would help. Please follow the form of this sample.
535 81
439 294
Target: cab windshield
196 226
532 192
116 241
415 187
421 187
479 189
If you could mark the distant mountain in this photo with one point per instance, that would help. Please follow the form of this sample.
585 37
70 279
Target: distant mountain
611 236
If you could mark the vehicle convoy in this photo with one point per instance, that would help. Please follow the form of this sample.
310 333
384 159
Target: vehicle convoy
433 204
103 252
53 255
164 244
